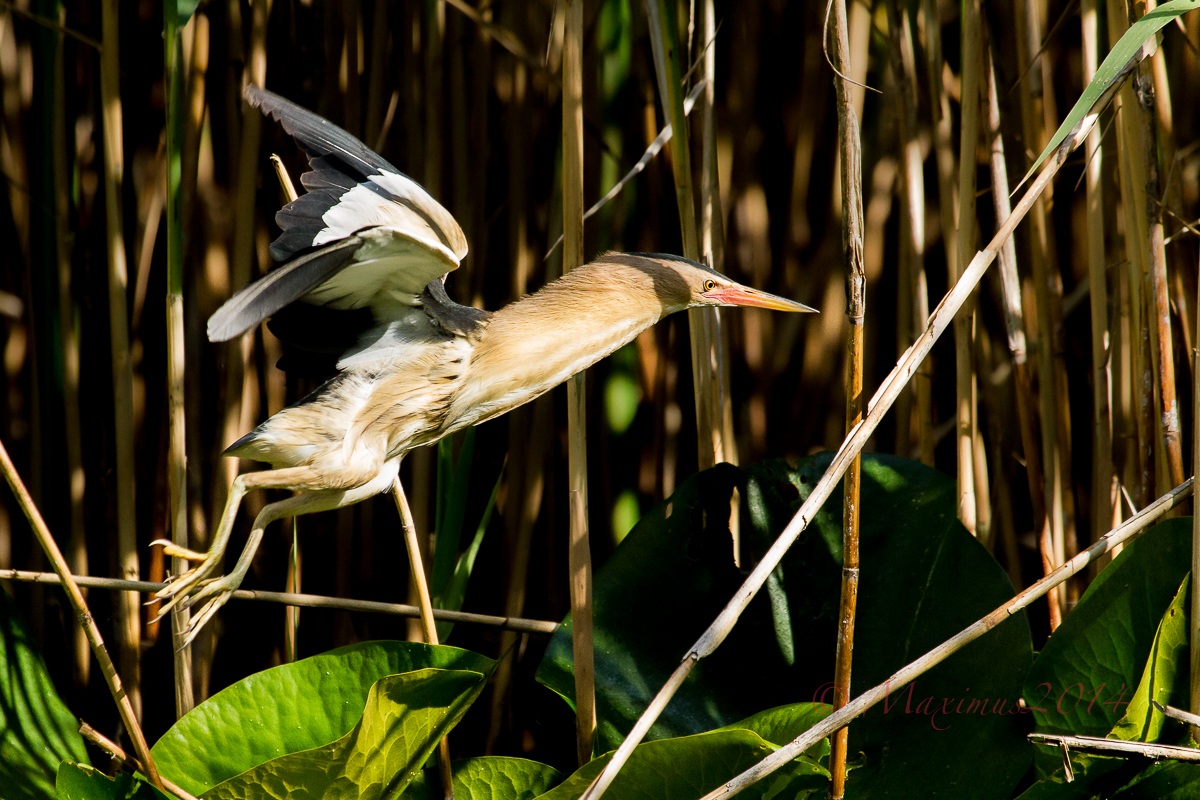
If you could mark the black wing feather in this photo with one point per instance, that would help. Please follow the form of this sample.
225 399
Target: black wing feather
278 288
317 135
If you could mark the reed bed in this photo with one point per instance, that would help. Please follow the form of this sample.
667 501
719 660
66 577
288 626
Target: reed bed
138 195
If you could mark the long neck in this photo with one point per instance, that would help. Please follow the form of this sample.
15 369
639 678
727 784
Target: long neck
538 342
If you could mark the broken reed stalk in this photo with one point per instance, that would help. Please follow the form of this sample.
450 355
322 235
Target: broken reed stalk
1104 486
416 568
1133 527
123 759
49 546
579 557
881 402
128 630
850 152
176 356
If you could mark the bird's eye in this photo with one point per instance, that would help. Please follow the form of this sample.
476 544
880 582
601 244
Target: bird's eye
709 285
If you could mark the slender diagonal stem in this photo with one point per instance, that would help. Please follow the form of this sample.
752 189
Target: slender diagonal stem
1134 526
82 614
113 749
428 626
886 395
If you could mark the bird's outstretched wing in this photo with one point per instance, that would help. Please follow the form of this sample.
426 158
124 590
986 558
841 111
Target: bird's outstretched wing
363 235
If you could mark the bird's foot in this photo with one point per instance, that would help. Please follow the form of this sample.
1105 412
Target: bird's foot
216 593
169 548
183 590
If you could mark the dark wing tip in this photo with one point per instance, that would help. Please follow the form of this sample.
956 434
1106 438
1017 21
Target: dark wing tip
317 135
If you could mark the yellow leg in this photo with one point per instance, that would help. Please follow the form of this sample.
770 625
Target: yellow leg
196 585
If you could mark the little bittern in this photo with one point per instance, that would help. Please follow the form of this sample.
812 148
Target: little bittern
367 243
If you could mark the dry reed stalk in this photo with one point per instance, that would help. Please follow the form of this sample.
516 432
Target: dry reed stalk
706 352
176 355
913 295
128 605
1158 305
1052 398
124 760
943 147
528 426
579 554
712 252
72 425
1127 532
121 696
850 154
518 624
1104 486
241 379
378 78
428 625
1194 619
1014 314
1138 378
879 405
964 325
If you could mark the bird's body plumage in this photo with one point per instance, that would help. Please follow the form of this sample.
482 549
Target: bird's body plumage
367 244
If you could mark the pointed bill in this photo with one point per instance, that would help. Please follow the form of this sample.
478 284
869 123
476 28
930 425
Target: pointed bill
737 295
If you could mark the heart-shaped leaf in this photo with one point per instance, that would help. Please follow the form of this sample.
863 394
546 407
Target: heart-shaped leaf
290 708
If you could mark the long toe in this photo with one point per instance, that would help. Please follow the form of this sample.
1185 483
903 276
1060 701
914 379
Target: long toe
171 549
203 615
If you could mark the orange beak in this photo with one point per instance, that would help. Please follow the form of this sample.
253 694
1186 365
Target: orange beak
744 296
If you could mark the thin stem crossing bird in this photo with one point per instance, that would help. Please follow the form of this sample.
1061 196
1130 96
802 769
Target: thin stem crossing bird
366 244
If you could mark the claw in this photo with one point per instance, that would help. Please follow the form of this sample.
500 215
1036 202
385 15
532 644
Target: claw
172 549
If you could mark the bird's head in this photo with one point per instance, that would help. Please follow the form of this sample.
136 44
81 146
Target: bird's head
682 283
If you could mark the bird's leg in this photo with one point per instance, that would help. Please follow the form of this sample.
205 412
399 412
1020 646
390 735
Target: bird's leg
217 591
179 587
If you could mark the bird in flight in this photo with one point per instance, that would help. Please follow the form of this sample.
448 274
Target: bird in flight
367 244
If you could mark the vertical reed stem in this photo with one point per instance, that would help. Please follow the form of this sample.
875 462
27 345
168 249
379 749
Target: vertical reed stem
705 350
964 324
176 417
128 604
850 151
1104 485
416 567
579 556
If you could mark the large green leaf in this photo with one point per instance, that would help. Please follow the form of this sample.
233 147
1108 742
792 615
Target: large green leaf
1164 678
290 708
783 724
37 732
488 778
1085 677
1124 644
82 782
405 717
690 766
924 578
1164 780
